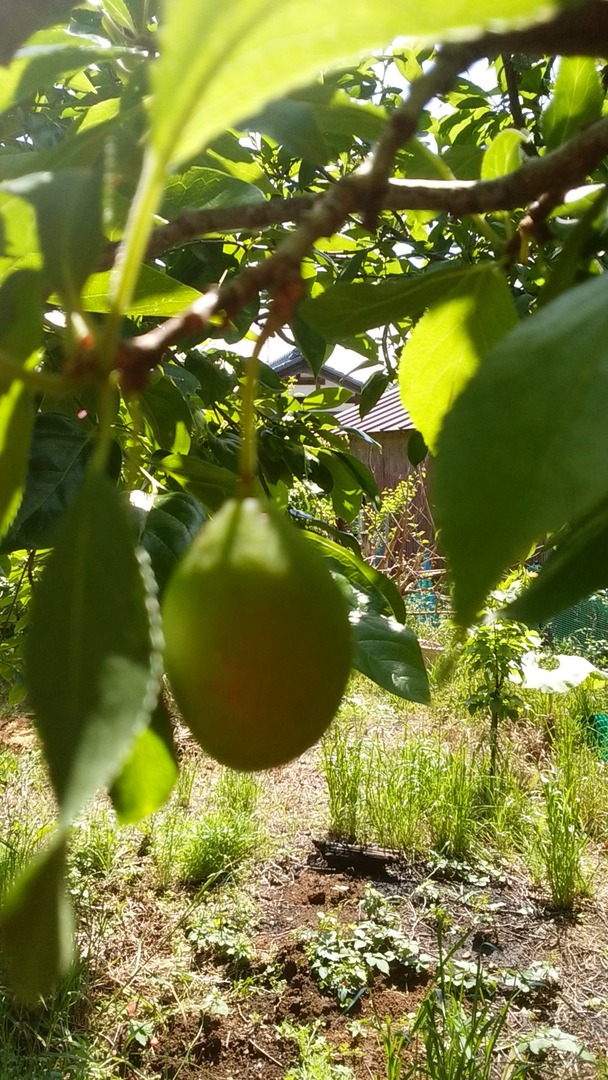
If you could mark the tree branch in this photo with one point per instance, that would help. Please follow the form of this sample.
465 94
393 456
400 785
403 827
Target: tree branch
564 168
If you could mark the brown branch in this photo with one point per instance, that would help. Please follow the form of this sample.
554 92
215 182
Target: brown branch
513 92
543 180
564 168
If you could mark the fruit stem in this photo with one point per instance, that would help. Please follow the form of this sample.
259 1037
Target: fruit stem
248 459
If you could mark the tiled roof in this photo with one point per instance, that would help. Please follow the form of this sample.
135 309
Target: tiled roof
387 414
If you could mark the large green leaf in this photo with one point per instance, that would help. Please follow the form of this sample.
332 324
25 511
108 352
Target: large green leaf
16 426
346 309
156 294
149 773
58 459
20 18
20 336
206 188
577 99
210 51
448 343
21 314
92 665
382 593
167 529
385 650
209 483
525 447
36 942
167 413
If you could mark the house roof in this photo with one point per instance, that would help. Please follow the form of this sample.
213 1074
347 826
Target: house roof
387 414
292 363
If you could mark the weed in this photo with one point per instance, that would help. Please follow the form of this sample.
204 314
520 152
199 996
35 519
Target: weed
343 958
214 846
493 653
455 1031
344 766
453 815
221 932
315 1056
561 841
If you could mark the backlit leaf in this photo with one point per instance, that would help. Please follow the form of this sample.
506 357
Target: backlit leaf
149 773
68 213
92 667
210 51
525 447
346 309
577 99
448 343
155 294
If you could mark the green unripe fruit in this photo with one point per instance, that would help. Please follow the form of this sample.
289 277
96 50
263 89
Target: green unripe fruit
258 643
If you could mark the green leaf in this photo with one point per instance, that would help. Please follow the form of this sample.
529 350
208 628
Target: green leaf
577 99
311 344
16 426
36 924
41 65
346 493
389 654
149 773
120 15
214 381
209 483
372 391
293 125
448 343
327 397
156 294
20 18
525 447
503 154
68 213
21 314
577 568
206 188
346 309
92 663
167 413
59 454
381 591
167 529
209 51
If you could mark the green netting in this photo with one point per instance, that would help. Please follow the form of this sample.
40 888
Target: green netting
584 627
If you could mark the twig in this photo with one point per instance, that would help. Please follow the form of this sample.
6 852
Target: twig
264 1053
513 92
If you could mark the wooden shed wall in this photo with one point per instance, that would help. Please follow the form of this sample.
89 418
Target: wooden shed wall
388 465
